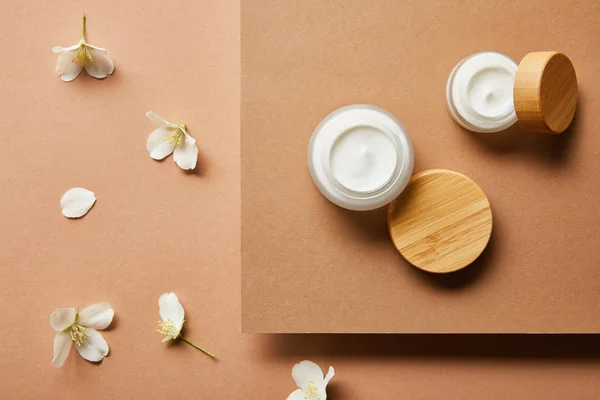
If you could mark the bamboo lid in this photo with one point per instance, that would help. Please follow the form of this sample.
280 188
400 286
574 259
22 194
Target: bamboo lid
441 222
545 92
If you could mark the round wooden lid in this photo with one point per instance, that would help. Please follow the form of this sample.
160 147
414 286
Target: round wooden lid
441 222
545 92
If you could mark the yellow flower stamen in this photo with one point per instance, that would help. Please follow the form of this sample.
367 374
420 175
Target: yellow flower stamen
311 392
166 328
175 138
83 56
78 334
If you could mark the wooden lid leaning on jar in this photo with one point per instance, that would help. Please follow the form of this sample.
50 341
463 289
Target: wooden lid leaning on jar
545 92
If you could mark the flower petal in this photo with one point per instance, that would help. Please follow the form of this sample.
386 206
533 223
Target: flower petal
76 202
158 144
305 372
91 46
66 68
186 155
97 316
62 347
59 49
157 120
101 66
62 318
297 394
330 374
171 309
94 347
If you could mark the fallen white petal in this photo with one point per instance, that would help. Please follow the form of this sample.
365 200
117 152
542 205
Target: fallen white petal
101 66
94 347
158 144
186 155
305 372
62 318
171 309
97 316
62 347
91 46
330 374
297 394
76 202
59 49
161 123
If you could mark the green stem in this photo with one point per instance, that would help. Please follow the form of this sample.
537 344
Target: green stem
208 353
83 27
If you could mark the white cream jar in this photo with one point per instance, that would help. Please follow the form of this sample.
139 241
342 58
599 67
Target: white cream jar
488 92
479 92
360 157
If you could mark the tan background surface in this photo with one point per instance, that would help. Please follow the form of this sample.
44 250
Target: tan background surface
155 228
309 266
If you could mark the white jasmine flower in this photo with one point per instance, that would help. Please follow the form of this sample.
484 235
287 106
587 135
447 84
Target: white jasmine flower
309 378
72 59
172 138
76 202
173 316
80 328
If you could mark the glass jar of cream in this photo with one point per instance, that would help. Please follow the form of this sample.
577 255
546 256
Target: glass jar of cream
479 92
360 157
488 92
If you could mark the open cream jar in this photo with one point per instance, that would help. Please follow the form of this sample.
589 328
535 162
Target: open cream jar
360 157
479 92
488 92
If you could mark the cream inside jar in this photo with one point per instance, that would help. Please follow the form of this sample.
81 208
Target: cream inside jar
360 157
479 92
363 159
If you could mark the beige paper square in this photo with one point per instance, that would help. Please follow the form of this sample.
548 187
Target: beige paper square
308 266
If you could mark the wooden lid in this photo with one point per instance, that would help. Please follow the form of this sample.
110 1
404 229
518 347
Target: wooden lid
441 222
545 92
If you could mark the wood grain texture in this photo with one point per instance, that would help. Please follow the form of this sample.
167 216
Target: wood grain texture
442 222
545 92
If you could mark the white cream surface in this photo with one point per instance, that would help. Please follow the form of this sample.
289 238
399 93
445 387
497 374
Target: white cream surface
490 92
479 92
363 159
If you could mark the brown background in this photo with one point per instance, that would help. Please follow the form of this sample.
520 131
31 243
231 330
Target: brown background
155 228
309 266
